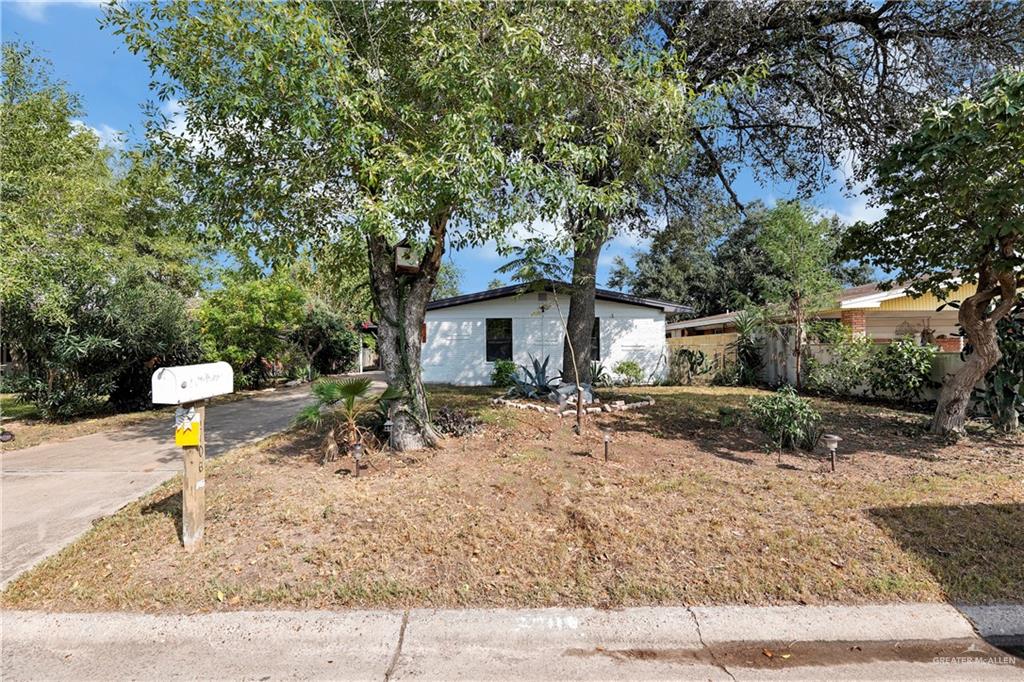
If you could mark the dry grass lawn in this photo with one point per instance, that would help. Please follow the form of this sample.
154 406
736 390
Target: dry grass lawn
524 513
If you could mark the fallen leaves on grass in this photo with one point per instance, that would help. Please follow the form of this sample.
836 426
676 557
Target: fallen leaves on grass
688 512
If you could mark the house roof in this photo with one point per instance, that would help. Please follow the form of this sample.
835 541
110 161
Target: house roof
863 296
555 286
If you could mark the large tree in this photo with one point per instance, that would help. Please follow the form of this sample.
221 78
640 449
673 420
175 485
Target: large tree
97 258
339 127
713 261
831 79
955 192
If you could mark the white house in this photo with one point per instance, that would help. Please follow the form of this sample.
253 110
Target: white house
465 335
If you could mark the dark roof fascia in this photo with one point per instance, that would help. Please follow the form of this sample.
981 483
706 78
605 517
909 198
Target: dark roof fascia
555 287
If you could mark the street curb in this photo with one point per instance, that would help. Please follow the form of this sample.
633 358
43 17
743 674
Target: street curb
867 623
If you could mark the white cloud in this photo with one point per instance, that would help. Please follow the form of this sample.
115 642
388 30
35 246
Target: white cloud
855 205
857 208
175 113
35 10
108 135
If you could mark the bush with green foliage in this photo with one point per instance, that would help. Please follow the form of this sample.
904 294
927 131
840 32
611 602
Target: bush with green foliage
116 334
97 253
249 323
901 370
503 374
629 373
728 374
786 419
327 341
848 364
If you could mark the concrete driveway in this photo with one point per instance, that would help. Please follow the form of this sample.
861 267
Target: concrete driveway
51 493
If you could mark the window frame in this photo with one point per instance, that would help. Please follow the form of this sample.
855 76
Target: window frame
501 341
595 341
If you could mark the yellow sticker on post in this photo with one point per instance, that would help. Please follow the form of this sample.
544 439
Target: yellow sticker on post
188 427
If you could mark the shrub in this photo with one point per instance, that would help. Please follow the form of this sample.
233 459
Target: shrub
727 375
328 342
248 323
503 375
454 422
786 419
901 370
116 333
848 365
629 372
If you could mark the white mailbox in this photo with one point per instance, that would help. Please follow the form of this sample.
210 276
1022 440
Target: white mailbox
177 385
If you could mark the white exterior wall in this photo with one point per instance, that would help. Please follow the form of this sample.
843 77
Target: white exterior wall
455 349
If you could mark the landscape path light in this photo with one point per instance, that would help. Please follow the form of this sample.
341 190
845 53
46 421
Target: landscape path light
832 442
607 439
357 455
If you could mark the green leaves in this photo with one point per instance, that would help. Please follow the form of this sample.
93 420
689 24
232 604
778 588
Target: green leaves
901 370
802 248
955 191
786 419
320 123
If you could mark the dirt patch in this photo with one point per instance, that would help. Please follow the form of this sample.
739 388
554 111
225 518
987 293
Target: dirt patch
525 513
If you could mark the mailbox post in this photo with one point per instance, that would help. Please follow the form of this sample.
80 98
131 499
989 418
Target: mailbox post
193 485
188 387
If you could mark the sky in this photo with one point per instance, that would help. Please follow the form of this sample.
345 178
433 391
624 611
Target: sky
114 87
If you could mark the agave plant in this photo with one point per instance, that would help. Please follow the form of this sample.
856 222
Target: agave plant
599 376
341 403
533 384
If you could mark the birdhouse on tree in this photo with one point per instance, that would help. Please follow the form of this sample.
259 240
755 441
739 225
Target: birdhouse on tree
405 259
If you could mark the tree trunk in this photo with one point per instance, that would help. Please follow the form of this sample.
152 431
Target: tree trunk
580 323
951 412
401 300
1011 424
798 343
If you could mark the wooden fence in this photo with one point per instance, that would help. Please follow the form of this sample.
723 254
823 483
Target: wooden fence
718 348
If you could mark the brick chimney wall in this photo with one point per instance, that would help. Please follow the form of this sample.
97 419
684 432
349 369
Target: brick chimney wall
855 321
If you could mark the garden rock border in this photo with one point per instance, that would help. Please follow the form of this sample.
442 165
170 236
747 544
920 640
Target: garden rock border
595 408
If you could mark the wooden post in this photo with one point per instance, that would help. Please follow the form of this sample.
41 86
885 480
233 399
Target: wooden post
193 489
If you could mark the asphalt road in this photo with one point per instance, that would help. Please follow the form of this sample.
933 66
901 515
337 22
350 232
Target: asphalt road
51 493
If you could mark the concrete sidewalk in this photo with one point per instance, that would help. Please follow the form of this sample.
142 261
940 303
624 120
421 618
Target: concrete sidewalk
925 641
54 491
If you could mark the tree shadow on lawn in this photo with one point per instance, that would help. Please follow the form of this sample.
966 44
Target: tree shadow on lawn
168 506
975 551
862 434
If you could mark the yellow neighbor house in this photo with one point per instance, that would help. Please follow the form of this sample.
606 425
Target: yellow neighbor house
867 310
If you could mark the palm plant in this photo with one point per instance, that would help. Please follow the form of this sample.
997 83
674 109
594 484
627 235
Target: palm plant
341 403
750 326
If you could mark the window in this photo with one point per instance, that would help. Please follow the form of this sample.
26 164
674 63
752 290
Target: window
499 338
595 340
